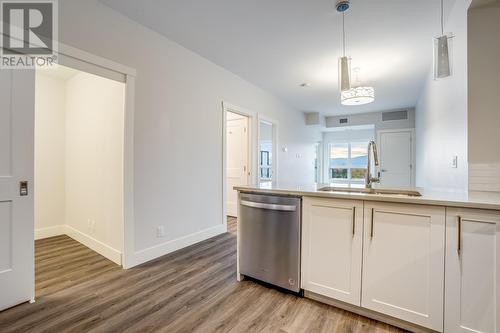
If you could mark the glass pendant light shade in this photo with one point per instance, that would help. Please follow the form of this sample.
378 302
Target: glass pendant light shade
442 52
358 96
442 57
344 73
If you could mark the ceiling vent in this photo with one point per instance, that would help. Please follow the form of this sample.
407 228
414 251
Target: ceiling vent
343 121
395 115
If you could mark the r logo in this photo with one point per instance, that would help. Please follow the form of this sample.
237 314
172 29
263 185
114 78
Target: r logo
28 27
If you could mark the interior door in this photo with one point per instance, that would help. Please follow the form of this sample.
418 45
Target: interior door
17 99
237 158
396 158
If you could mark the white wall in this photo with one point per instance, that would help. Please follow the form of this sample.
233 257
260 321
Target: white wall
373 118
178 124
441 115
484 82
50 134
265 132
366 133
94 158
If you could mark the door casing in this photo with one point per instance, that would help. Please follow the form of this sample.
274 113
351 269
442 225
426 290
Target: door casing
252 155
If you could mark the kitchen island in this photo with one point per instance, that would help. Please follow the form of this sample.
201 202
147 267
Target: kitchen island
427 262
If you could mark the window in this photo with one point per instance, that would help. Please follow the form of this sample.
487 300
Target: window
265 161
348 161
266 147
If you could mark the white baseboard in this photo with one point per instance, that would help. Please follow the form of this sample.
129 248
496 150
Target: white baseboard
484 177
47 232
94 244
139 257
150 253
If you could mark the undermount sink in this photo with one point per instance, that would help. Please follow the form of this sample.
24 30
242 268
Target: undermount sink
379 191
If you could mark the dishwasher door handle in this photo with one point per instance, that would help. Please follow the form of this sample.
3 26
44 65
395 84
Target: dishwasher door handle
282 208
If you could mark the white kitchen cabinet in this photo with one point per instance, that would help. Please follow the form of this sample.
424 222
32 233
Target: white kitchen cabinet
403 262
472 297
332 231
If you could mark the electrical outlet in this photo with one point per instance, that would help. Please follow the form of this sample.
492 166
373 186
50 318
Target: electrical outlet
454 162
160 231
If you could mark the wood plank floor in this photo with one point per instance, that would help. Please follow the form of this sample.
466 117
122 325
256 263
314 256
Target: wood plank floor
191 290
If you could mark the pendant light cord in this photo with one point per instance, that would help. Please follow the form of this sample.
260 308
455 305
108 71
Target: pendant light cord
343 34
442 17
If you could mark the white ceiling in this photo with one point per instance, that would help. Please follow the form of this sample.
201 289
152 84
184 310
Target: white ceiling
279 44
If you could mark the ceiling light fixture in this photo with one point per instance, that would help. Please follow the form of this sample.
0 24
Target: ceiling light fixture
357 95
344 62
442 51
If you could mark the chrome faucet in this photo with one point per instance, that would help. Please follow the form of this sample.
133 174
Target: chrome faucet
369 180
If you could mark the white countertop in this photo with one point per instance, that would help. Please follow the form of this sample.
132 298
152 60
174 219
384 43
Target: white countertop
472 199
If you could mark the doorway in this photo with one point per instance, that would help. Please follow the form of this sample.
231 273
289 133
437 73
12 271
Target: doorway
79 139
237 157
17 271
78 173
397 157
267 157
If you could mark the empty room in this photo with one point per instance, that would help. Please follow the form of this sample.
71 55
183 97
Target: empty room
249 166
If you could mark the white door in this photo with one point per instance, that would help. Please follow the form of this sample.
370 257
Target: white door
17 101
237 158
396 150
472 298
403 262
332 248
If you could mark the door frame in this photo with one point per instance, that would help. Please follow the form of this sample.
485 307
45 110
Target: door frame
274 166
252 143
412 146
109 68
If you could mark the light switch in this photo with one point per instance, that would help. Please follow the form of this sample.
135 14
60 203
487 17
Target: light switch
454 162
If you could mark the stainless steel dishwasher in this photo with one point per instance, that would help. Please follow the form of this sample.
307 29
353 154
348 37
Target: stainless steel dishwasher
269 236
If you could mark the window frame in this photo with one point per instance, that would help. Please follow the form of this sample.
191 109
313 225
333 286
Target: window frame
349 166
268 167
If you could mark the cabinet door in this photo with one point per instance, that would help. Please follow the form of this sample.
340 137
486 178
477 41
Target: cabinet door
472 271
332 248
403 262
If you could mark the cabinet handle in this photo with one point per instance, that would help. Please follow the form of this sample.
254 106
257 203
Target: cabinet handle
371 224
459 235
353 221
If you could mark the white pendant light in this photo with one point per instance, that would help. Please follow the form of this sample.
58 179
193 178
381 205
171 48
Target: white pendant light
357 95
344 61
442 52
